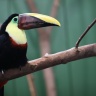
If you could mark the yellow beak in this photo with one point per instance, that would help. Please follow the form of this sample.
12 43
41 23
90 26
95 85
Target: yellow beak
35 20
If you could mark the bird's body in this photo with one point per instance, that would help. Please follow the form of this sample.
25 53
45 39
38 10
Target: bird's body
13 46
12 55
13 41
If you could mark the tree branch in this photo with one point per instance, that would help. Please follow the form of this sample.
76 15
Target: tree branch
84 33
50 60
31 84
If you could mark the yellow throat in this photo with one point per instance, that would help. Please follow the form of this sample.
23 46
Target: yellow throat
16 34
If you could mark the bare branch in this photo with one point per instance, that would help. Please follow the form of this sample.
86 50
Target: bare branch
31 85
32 6
50 60
85 32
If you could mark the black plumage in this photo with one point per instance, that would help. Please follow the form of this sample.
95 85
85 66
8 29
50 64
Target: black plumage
10 56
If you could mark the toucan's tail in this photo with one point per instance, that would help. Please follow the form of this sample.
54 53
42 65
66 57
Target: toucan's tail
2 88
3 83
2 91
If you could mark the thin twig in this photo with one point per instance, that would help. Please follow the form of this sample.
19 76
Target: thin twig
31 5
85 32
31 85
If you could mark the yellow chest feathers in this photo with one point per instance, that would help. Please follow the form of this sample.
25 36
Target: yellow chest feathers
16 34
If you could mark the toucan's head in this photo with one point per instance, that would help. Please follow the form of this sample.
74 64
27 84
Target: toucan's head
17 23
29 21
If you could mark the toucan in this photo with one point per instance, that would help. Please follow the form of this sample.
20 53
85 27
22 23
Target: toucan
13 41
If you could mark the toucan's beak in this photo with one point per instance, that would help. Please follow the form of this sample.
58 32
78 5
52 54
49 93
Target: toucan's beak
34 20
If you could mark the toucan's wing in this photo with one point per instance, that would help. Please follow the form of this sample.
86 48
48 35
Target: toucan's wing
3 38
3 42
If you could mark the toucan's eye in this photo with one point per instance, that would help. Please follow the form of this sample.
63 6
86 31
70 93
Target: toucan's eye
15 19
